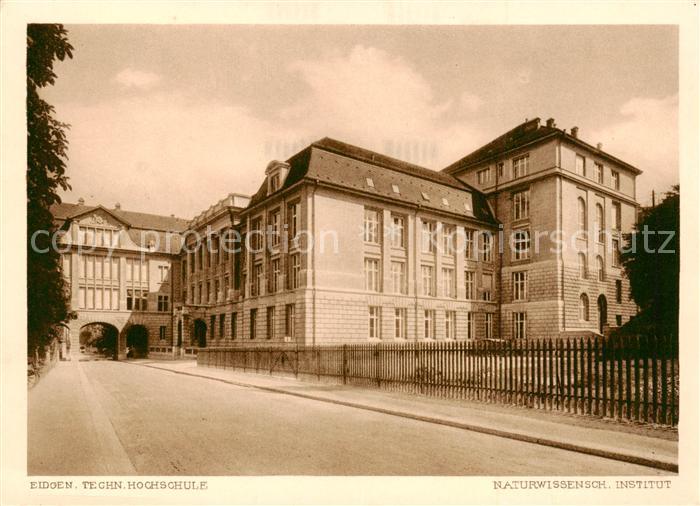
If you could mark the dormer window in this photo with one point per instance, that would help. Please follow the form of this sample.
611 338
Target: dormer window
274 183
370 182
276 173
395 188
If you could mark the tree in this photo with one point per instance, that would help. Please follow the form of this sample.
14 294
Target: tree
47 303
652 263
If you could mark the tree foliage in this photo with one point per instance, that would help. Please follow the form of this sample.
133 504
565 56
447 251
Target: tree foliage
652 263
47 303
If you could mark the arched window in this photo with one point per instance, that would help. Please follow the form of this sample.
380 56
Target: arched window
582 225
601 268
583 308
600 223
582 266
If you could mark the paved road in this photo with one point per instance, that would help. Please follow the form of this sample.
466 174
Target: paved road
108 417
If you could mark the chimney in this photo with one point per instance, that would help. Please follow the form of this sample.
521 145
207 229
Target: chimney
551 123
81 201
117 206
574 132
599 146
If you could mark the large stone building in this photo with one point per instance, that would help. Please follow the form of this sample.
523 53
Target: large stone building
120 268
340 244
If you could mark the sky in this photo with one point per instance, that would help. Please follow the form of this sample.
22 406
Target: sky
170 119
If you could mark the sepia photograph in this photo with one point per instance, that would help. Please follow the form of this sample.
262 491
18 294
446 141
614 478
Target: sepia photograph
330 250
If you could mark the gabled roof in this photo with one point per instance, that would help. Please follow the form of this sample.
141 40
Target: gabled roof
66 211
343 165
524 134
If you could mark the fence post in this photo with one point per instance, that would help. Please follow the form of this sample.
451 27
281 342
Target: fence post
345 363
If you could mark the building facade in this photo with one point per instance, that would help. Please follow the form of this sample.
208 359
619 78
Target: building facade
519 239
565 206
120 269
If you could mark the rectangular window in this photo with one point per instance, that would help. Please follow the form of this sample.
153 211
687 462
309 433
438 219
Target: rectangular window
207 296
253 323
274 275
448 234
486 286
428 237
519 325
163 303
372 226
521 205
521 166
580 165
256 233
469 244
161 332
372 283
618 320
274 228
599 172
450 324
615 179
429 324
234 325
500 166
616 216
294 280
520 286
484 176
212 326
289 320
521 244
293 225
270 322
375 317
616 253
398 277
618 291
257 280
471 331
486 247
448 282
428 277
400 323
469 284
398 229
222 325
488 325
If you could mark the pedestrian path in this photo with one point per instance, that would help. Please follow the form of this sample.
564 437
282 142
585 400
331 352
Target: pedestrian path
653 447
65 402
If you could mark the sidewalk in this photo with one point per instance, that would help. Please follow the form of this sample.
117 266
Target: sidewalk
61 402
626 442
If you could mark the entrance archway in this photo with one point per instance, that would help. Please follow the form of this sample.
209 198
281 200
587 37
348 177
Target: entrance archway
99 338
200 333
602 312
137 341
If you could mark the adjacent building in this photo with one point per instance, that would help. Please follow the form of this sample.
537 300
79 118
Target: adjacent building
519 239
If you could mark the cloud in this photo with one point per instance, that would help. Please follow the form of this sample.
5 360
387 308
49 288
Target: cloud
132 78
173 152
165 153
371 98
647 137
470 102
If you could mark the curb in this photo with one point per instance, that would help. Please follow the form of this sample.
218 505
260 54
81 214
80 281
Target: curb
517 436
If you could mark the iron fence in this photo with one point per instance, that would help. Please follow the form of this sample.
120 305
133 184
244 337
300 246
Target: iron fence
634 379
